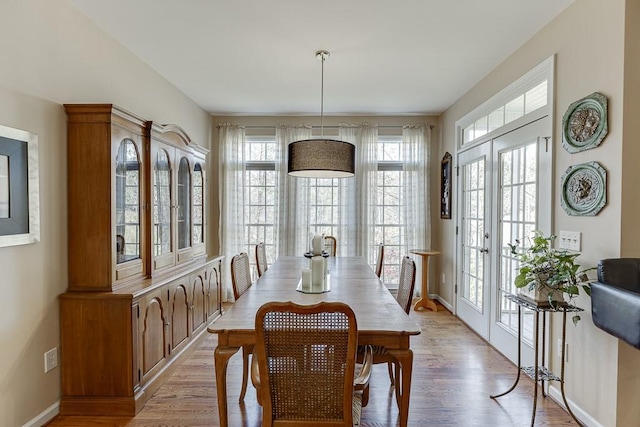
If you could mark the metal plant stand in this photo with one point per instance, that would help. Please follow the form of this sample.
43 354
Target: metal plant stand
539 373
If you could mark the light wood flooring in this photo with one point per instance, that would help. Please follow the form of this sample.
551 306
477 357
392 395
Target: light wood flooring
454 372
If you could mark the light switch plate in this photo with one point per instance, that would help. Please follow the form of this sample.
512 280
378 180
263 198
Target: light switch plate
570 240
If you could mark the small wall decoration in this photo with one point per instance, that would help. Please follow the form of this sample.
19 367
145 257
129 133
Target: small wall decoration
445 187
584 124
19 187
584 189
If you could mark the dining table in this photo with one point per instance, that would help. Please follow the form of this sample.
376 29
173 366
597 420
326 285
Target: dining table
380 320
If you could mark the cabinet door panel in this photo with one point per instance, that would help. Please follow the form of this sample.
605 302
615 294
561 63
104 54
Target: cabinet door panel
198 301
162 215
213 288
153 333
179 313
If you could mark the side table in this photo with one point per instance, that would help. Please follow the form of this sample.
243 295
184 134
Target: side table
424 301
539 372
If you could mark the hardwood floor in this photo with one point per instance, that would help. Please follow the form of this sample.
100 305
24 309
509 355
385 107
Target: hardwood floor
454 373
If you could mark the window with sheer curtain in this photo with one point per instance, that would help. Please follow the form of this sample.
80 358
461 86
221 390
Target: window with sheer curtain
384 203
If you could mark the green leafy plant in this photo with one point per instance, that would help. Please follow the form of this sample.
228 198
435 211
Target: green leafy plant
543 267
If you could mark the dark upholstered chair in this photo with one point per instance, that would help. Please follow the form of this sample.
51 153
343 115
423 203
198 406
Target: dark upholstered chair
615 299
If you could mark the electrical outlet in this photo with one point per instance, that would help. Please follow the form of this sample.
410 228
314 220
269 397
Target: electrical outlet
50 359
570 240
443 278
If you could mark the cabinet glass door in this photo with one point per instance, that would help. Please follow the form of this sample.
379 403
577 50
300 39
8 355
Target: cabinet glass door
198 205
127 202
184 204
162 204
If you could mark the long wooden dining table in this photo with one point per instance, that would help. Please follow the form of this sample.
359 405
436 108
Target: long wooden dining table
381 321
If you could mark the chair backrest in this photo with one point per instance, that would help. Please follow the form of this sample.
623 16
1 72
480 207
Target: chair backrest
240 274
306 361
261 259
407 283
330 245
380 260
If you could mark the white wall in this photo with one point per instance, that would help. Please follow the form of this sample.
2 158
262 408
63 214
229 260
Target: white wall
588 40
51 54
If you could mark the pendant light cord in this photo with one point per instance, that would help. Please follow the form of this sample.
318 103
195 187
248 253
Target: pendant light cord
322 97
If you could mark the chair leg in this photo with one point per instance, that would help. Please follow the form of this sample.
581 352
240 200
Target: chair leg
245 371
390 368
398 382
365 396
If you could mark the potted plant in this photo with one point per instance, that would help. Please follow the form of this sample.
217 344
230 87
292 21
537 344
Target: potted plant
546 275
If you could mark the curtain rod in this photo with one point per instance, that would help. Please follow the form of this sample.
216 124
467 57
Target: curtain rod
328 127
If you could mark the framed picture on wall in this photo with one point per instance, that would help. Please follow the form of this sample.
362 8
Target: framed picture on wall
19 187
445 187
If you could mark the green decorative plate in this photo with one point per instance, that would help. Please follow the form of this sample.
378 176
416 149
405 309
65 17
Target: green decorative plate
584 189
584 124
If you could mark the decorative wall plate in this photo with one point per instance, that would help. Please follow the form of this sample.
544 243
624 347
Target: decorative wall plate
584 189
584 124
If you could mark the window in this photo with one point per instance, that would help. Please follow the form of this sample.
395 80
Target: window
389 224
517 107
324 197
324 201
260 195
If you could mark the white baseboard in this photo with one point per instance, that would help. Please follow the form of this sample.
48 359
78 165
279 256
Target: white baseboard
580 413
443 302
45 416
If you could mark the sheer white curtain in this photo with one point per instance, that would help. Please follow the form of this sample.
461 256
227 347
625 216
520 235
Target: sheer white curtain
416 141
292 209
232 197
358 194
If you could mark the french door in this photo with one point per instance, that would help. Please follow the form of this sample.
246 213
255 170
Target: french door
474 183
504 193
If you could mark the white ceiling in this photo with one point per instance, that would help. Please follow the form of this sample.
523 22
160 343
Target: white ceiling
258 57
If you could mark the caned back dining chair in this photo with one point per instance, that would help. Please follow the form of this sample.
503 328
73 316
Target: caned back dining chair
407 283
261 259
304 365
241 281
404 297
330 245
380 260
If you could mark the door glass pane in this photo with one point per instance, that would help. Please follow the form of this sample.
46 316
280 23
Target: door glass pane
473 232
162 204
184 204
127 202
198 204
517 194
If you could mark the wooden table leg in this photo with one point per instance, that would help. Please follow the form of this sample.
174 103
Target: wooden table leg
221 357
424 301
403 382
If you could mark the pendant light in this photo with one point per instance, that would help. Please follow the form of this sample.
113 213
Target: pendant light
321 157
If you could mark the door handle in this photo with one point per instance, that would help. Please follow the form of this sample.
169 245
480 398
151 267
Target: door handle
484 250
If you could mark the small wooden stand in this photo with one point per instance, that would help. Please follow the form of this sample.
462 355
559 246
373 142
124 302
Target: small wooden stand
424 301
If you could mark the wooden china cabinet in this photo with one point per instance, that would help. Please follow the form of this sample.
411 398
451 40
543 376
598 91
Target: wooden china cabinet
141 287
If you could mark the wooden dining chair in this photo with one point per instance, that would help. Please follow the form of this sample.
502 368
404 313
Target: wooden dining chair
380 260
304 365
241 281
261 259
330 245
404 296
